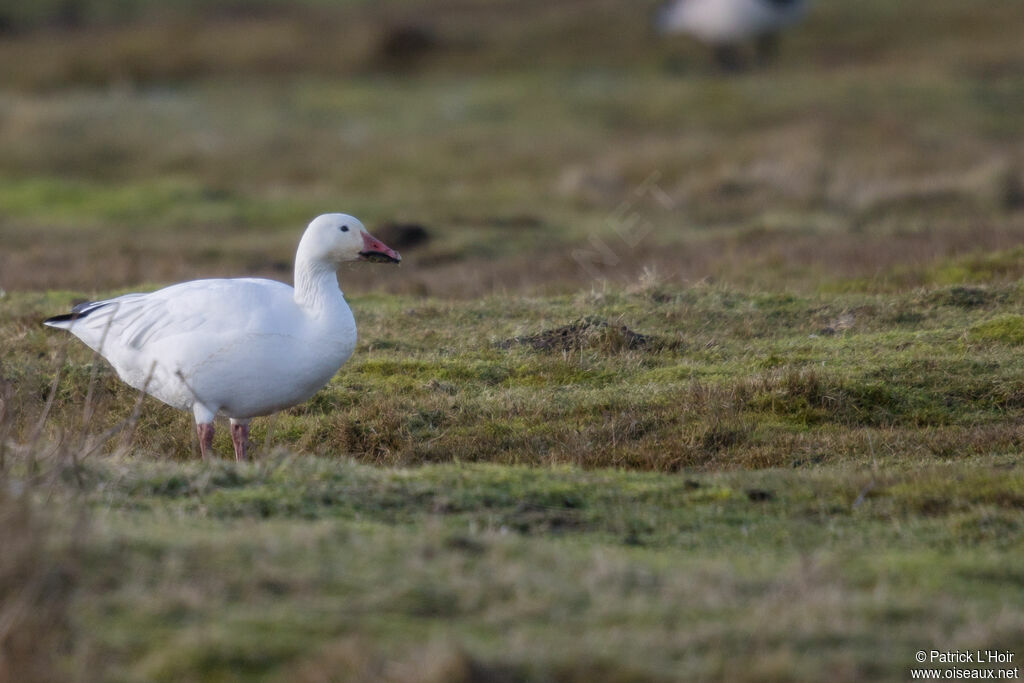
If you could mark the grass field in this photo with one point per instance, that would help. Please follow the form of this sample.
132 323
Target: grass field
696 378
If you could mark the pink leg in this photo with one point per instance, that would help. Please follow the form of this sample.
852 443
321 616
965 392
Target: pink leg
240 438
205 432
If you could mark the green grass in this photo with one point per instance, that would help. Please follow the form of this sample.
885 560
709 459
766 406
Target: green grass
809 469
727 380
837 485
307 567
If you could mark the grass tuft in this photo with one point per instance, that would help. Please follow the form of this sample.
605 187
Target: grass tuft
1007 328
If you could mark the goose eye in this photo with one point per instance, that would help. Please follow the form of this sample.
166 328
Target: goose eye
344 228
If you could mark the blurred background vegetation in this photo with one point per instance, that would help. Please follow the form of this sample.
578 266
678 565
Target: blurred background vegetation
155 141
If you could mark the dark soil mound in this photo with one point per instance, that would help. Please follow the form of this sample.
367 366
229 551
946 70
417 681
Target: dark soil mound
402 235
965 297
402 46
587 333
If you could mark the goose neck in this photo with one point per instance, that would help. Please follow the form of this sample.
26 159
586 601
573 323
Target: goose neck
316 284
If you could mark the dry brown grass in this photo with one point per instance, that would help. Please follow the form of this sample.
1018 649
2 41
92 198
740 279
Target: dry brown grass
37 576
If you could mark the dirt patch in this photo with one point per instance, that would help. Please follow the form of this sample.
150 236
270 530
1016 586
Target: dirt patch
530 518
402 236
403 46
964 297
587 333
841 324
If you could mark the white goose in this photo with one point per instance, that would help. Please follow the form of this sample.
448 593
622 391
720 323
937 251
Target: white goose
724 24
242 347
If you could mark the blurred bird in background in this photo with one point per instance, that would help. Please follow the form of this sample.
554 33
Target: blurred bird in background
726 25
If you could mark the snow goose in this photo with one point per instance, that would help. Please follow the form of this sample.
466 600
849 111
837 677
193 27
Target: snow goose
242 347
724 24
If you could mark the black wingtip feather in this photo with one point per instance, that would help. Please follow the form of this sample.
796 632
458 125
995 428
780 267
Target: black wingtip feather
77 313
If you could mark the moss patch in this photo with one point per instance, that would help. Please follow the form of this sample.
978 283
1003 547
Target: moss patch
1006 329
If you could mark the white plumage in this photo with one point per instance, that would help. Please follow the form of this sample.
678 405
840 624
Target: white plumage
242 347
725 23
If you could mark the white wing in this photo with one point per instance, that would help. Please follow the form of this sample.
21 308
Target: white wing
200 307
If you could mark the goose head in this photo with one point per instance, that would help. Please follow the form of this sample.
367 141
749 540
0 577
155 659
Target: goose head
334 238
